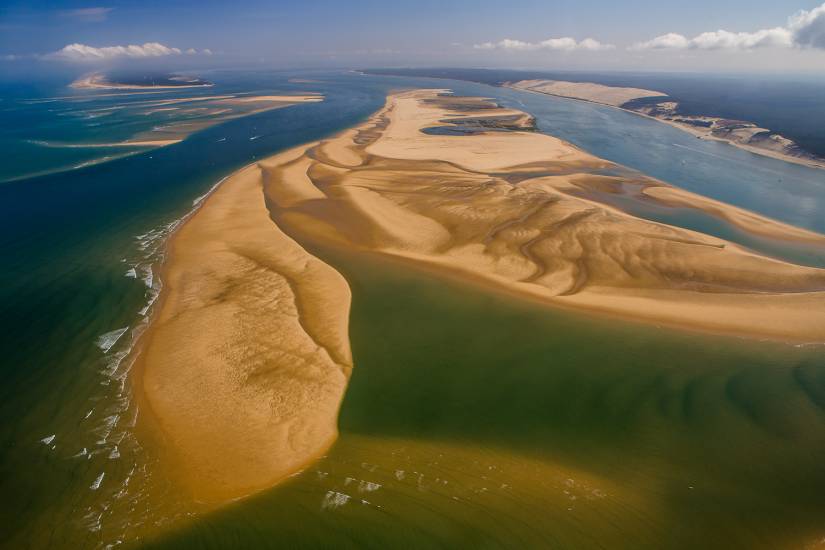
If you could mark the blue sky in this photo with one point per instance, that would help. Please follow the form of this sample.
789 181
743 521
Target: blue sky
759 35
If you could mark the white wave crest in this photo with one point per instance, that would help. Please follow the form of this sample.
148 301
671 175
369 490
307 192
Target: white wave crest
109 339
96 483
333 500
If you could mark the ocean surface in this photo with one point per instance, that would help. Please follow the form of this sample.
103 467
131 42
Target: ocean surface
470 419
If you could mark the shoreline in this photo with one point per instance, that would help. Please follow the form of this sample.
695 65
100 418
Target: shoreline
820 165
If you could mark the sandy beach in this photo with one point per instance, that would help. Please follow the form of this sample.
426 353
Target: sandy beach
247 359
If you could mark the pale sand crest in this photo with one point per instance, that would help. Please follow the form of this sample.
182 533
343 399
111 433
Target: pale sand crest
588 91
246 362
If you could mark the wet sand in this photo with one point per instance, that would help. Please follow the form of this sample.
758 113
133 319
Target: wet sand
248 357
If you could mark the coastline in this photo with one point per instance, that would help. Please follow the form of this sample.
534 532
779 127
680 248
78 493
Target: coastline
690 130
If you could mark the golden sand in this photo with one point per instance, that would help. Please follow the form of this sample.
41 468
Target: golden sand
247 359
246 362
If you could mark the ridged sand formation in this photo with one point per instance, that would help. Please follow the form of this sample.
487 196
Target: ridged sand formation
517 209
247 360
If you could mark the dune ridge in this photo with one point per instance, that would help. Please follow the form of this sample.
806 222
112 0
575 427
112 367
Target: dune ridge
514 209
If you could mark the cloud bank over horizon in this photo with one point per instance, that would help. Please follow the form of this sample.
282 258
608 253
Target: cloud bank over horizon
559 44
592 35
805 29
86 53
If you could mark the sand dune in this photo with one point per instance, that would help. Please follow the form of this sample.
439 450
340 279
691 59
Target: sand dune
511 209
588 91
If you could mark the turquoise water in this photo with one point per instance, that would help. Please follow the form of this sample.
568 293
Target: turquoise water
79 249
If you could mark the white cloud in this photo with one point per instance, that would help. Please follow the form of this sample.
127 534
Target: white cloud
719 40
559 44
83 52
806 29
669 41
594 45
87 15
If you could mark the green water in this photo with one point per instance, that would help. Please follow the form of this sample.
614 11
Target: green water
514 424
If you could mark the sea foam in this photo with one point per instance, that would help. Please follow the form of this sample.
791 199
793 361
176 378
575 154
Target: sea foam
109 339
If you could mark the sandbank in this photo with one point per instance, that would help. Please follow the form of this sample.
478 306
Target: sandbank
246 360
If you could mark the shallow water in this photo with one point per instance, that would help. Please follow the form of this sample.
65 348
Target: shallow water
477 419
629 412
